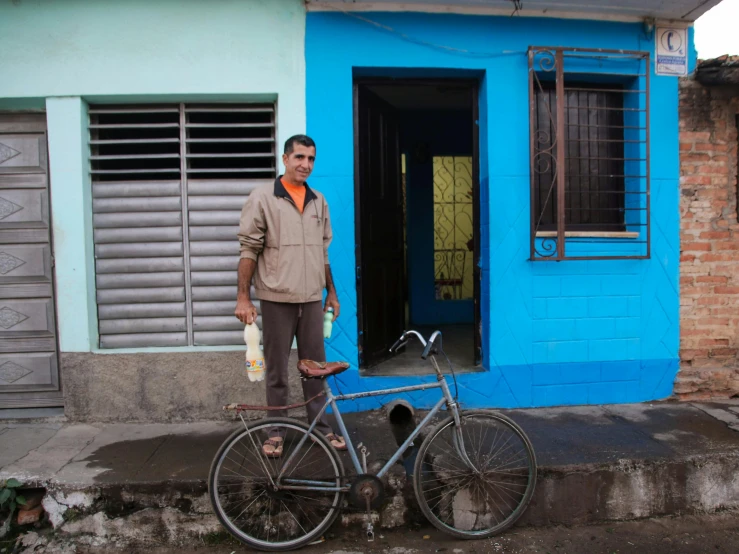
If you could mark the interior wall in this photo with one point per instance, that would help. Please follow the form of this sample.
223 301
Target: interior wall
426 134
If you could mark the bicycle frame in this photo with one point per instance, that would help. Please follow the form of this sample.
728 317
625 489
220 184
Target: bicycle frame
332 400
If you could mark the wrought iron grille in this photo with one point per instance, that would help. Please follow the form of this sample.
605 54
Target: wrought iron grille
589 129
453 228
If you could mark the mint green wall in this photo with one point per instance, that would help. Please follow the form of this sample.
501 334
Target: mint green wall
71 220
62 55
149 47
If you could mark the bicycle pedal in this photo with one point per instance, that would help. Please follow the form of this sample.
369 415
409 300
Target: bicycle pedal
370 533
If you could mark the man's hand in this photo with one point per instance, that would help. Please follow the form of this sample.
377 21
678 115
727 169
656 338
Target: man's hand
245 311
332 302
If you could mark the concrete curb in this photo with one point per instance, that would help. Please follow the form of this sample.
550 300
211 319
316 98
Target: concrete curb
137 483
565 495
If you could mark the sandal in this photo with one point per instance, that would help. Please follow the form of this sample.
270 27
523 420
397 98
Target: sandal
336 441
272 448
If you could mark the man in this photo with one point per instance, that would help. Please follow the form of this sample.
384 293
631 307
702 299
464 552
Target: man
284 232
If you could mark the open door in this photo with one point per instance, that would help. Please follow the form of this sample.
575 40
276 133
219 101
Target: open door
379 208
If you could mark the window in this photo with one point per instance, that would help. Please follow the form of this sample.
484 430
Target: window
168 185
589 154
594 153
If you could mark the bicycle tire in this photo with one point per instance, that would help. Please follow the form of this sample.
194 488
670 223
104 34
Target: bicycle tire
425 472
263 425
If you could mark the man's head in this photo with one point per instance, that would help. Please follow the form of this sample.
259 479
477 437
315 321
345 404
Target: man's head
298 157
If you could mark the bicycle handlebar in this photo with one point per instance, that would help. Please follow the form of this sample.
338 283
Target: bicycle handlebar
428 345
431 346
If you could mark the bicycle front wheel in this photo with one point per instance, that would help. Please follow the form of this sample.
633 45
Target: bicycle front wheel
268 513
481 502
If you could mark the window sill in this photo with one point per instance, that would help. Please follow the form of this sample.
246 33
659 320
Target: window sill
591 234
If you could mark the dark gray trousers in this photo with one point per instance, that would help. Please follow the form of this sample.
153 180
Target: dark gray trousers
281 322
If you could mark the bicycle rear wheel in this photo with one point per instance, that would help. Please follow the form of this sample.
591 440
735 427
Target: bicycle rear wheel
250 503
469 504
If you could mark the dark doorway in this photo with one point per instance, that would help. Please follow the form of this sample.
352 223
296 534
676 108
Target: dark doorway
417 219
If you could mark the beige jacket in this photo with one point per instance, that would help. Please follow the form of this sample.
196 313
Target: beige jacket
290 248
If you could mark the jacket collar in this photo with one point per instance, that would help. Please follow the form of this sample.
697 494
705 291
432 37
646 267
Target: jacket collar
282 192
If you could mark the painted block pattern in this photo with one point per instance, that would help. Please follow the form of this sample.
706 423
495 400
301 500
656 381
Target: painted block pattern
553 333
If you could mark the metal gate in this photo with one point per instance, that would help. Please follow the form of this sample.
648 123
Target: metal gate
29 372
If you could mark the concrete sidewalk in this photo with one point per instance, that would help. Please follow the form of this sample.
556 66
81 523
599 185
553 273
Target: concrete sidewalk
596 463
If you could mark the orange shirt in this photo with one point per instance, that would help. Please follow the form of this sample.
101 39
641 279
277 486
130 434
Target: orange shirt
296 192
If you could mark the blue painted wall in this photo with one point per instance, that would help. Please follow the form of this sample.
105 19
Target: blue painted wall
553 333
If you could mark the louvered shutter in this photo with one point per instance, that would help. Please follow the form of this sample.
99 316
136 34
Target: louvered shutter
156 171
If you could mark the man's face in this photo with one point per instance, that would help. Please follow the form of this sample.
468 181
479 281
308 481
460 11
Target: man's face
299 163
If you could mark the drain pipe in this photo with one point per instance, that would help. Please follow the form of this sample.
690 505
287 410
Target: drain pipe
402 421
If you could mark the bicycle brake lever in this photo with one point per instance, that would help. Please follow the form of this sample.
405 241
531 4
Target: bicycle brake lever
398 346
402 341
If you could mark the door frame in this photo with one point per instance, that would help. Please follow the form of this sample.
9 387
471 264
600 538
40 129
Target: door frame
474 85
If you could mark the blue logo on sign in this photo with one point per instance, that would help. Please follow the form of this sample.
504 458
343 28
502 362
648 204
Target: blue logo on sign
672 41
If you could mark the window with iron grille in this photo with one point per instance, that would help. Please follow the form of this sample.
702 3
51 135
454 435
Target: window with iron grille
589 154
594 168
168 184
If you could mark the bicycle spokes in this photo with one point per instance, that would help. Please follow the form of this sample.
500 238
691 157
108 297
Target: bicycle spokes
486 497
268 504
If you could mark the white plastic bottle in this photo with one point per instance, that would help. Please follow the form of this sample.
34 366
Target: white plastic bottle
254 355
328 323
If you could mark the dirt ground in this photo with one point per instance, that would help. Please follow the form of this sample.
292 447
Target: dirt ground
716 533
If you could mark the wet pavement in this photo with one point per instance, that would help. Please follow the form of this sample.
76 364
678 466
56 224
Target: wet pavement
79 453
595 462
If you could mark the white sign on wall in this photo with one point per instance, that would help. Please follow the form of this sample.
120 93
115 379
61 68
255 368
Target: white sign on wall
672 51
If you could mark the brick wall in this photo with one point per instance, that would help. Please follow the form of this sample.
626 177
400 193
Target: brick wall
709 260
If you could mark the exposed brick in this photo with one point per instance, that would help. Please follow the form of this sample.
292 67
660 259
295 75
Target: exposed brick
26 517
709 234
690 158
712 279
713 342
726 290
710 147
723 352
717 258
689 135
695 180
713 321
694 353
723 311
715 235
688 246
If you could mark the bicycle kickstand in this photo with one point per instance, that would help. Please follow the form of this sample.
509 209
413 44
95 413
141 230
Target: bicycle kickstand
370 527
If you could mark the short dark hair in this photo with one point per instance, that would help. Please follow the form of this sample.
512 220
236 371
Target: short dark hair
303 140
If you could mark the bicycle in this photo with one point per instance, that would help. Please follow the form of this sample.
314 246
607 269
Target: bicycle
474 473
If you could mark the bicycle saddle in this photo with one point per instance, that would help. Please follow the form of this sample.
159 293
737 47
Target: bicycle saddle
318 370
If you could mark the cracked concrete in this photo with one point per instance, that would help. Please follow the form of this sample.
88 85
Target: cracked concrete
51 455
22 439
